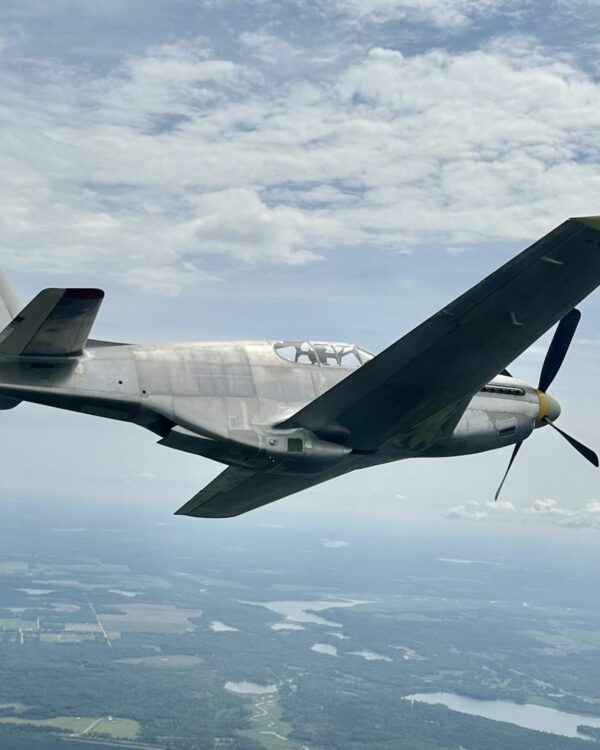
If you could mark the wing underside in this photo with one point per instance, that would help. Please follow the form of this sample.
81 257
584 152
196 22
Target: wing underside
237 490
417 389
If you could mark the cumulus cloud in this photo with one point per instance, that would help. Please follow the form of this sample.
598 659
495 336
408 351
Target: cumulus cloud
548 509
544 510
501 506
471 511
175 156
333 544
476 511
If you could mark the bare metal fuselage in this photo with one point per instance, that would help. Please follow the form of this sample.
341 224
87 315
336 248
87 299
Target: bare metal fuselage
222 400
285 416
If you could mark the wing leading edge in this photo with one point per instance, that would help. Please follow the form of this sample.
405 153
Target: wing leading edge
419 386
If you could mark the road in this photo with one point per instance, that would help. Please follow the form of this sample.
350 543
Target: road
100 625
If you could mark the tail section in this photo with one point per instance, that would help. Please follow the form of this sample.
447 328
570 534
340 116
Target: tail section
10 307
56 323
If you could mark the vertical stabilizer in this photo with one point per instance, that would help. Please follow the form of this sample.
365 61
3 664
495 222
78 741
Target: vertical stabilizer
10 306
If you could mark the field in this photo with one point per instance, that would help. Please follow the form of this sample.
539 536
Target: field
170 661
91 628
150 618
267 726
119 729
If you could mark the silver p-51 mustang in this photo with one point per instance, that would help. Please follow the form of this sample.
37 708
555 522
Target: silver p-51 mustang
287 415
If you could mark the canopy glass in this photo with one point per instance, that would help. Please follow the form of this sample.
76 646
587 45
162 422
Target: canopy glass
323 353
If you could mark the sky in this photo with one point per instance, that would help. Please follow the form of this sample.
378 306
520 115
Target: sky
332 169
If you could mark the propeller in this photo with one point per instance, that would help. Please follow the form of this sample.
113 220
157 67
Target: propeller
513 455
555 356
559 346
586 452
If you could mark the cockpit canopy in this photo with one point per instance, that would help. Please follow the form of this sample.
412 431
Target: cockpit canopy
323 353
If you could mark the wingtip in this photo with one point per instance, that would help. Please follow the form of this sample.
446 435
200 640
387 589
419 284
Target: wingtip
593 222
84 293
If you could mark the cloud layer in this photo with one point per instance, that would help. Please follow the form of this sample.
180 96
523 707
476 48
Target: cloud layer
450 15
545 510
176 163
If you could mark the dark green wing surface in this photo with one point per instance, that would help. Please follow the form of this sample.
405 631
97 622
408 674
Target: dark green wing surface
236 490
418 388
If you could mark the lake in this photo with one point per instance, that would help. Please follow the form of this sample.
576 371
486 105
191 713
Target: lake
303 611
371 655
324 648
250 688
219 627
527 715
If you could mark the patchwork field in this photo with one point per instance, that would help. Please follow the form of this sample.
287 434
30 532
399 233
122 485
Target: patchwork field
169 661
151 618
82 641
119 729
267 726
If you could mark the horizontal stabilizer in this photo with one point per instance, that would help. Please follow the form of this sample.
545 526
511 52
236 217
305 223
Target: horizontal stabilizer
236 491
55 323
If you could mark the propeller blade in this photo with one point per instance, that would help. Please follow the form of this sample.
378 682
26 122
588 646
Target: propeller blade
510 463
558 348
579 447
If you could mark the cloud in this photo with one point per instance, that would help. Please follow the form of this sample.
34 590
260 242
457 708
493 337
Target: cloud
451 15
470 511
178 165
476 511
501 506
549 510
333 544
544 510
238 222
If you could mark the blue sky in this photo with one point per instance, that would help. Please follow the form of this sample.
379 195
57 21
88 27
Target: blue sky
261 169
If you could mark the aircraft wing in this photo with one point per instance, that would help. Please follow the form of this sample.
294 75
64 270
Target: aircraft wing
418 388
237 490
